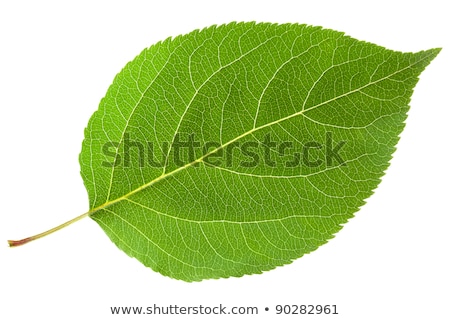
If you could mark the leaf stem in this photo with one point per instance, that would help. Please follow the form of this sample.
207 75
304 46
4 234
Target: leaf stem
16 243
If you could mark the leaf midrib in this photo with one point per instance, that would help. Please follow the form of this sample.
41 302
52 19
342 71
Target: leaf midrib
199 160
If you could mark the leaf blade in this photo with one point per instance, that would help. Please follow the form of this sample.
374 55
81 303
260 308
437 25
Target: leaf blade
267 215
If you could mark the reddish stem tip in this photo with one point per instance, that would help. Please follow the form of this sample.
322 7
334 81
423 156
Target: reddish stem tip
16 243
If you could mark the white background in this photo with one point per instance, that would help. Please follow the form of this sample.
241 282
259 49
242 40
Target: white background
56 62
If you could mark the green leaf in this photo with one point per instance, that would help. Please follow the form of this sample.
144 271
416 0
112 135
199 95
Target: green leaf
238 148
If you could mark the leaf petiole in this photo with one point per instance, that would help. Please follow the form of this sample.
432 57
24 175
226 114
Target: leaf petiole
16 243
